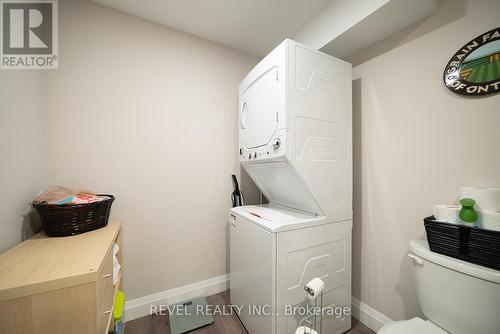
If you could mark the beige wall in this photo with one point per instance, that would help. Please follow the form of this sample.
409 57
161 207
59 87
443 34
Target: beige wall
415 144
21 105
148 114
337 18
134 102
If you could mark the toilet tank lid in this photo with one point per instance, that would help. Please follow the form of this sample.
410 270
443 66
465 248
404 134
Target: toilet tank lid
421 249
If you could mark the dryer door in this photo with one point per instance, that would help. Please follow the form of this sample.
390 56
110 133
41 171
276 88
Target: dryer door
259 110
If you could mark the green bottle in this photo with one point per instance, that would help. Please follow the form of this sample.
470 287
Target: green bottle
467 213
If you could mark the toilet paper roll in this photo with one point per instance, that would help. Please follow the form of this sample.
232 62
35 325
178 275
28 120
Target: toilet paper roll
314 288
447 213
305 330
489 220
487 199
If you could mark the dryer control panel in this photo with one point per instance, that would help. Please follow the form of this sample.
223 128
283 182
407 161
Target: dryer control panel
275 148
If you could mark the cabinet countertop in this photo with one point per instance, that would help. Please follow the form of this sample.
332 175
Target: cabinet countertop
44 263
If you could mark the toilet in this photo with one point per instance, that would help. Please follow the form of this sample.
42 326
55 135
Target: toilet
457 297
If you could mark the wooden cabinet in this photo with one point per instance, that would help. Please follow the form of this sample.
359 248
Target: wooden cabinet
60 285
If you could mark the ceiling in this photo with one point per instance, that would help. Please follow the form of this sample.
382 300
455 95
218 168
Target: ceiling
253 26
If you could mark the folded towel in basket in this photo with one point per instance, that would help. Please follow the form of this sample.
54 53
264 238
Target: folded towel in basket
63 195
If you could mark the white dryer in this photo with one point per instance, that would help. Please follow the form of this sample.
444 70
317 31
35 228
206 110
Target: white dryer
295 143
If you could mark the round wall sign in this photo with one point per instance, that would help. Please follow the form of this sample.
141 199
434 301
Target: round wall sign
475 69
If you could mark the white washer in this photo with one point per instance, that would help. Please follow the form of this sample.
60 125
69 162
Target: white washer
295 122
275 252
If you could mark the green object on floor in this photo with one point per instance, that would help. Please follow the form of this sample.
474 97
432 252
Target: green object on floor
467 213
189 315
119 327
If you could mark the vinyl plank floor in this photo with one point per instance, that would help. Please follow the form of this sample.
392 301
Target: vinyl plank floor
158 324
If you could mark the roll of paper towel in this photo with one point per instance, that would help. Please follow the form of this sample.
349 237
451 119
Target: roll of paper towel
489 220
487 199
314 288
447 213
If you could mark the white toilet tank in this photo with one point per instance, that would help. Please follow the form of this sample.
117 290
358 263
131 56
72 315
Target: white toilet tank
459 297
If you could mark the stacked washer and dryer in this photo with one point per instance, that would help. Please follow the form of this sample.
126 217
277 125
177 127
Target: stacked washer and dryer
295 135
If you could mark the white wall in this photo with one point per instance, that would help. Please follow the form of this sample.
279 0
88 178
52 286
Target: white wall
415 144
148 114
21 105
337 18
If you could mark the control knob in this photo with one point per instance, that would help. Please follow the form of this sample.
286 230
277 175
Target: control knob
276 143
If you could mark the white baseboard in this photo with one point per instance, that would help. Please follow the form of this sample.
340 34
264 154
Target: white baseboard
368 316
140 307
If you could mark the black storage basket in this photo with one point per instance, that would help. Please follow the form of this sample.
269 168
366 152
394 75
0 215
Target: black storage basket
60 220
468 243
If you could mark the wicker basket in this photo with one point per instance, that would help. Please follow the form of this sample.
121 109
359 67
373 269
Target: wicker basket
60 220
471 244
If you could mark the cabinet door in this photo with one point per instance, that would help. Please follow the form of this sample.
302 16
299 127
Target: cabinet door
69 310
322 251
252 280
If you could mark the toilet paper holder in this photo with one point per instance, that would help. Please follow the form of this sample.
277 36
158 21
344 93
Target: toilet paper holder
313 289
